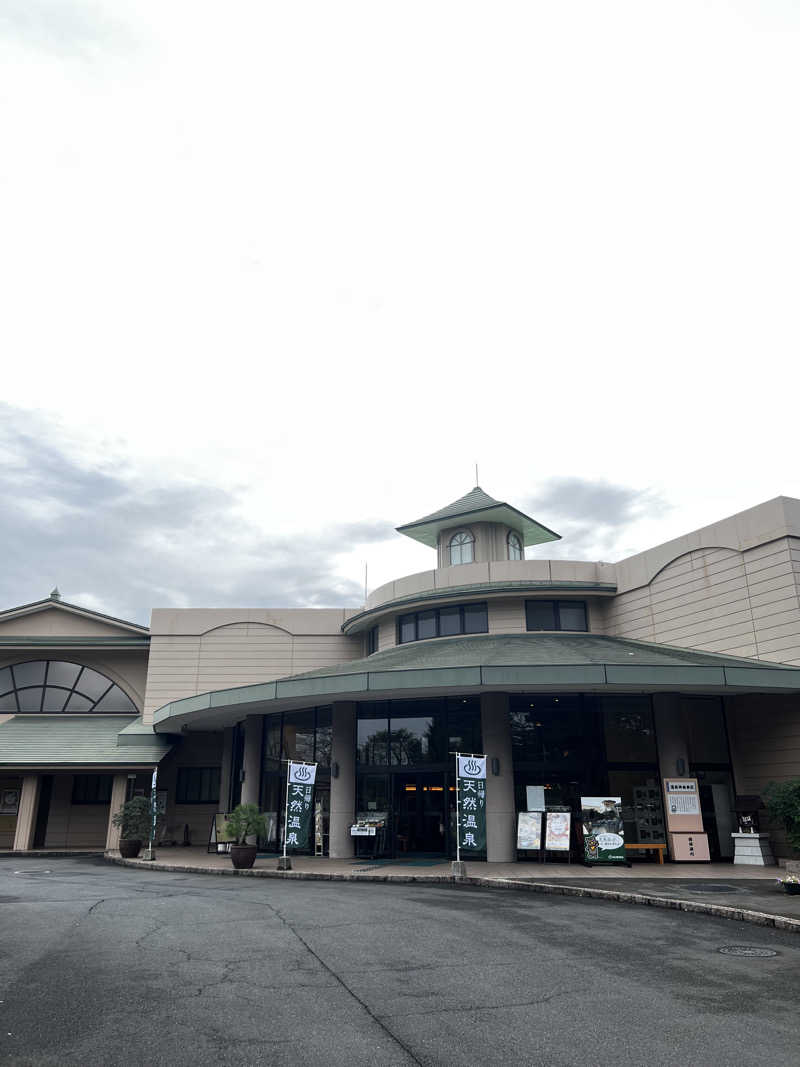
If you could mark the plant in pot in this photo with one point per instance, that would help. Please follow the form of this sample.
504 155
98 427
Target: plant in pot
243 822
133 819
782 800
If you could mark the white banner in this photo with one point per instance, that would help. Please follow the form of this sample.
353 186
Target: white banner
471 766
302 773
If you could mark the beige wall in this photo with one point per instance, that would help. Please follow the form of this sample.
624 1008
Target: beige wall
193 750
197 651
716 599
764 733
74 825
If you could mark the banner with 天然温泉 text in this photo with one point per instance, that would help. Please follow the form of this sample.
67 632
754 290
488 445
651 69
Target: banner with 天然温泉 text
299 804
471 800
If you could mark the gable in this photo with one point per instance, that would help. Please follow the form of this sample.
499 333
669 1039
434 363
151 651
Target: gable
53 620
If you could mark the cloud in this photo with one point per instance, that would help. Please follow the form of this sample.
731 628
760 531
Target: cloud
594 518
111 538
66 27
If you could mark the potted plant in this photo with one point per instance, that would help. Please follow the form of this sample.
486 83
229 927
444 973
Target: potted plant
790 884
133 819
243 822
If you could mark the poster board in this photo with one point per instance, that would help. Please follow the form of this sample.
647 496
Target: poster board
603 830
529 830
9 801
557 828
218 840
534 797
682 805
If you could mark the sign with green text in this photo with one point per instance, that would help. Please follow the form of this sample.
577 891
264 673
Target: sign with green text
471 802
299 804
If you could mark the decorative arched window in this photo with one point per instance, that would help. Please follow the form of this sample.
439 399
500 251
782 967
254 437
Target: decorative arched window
462 547
51 687
514 546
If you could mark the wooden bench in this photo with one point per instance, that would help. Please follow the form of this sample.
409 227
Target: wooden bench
660 849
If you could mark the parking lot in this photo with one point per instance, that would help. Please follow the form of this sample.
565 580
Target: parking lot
107 965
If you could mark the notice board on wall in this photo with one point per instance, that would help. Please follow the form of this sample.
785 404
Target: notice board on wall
682 805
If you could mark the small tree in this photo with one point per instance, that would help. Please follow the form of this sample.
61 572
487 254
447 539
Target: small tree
133 819
245 821
783 804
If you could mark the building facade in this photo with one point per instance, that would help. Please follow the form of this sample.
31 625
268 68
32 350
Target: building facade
582 678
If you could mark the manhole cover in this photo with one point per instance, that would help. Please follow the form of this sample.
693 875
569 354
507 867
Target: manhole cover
713 887
747 950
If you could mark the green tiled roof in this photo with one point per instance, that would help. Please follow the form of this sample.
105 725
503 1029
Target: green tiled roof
477 506
489 662
534 650
77 740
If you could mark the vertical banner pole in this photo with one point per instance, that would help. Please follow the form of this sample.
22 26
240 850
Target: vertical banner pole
150 854
286 809
458 824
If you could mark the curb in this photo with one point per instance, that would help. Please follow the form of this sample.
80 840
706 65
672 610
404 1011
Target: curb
696 907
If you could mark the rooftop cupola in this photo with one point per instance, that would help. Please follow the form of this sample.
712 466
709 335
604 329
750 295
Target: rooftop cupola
476 529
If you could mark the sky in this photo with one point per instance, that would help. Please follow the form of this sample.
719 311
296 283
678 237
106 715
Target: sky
276 277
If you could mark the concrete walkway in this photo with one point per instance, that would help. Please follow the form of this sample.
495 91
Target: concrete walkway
746 893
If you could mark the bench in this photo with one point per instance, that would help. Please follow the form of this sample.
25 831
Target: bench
660 849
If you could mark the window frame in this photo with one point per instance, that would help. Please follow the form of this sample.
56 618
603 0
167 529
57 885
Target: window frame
468 538
521 548
556 604
462 632
373 640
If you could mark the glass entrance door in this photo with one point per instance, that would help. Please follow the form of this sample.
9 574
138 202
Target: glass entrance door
419 814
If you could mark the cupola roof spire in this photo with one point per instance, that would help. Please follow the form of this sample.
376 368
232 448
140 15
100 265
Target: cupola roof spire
477 506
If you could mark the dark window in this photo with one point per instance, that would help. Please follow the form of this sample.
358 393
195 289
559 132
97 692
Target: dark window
515 546
555 615
92 788
372 640
461 548
197 785
443 622
373 735
449 622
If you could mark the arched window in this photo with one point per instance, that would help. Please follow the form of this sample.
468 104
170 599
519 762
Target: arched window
50 687
461 548
514 546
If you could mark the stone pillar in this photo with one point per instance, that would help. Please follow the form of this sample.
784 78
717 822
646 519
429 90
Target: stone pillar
343 787
671 734
119 791
26 815
253 731
501 815
225 769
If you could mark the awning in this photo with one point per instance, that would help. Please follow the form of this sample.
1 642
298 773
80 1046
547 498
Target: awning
79 741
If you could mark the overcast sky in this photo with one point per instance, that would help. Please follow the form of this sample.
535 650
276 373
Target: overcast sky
275 277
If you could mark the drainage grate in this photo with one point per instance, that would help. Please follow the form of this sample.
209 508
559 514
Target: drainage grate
751 951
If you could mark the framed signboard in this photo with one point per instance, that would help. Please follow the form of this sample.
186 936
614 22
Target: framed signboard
682 804
529 830
557 831
9 801
218 840
603 832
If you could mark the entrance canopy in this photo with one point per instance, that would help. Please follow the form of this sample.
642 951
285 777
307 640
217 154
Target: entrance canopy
488 663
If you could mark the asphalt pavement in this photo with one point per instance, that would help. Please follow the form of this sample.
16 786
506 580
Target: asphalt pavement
105 965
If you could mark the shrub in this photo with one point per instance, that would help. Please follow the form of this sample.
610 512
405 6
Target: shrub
783 804
133 819
245 821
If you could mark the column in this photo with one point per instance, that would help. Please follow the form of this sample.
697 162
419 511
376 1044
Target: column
26 815
501 815
671 735
119 790
343 787
225 769
253 731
